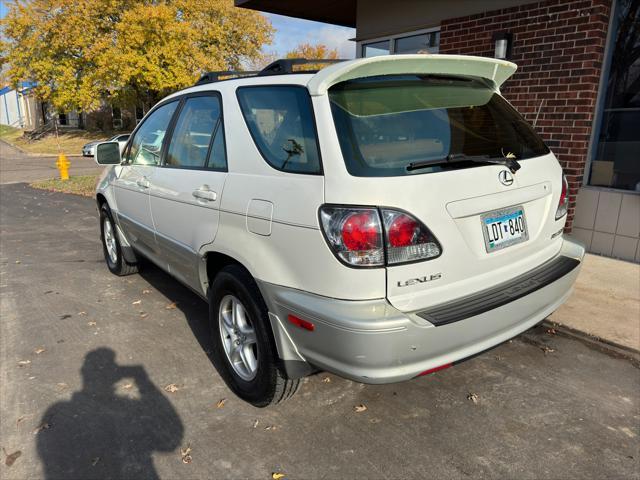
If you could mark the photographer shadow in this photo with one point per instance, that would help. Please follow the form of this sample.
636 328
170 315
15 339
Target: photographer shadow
108 432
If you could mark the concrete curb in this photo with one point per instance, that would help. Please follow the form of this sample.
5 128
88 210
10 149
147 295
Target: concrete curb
598 343
31 154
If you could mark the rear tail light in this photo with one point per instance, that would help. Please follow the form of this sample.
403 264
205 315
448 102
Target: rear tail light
355 235
407 240
563 204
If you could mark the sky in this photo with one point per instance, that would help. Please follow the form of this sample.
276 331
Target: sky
292 31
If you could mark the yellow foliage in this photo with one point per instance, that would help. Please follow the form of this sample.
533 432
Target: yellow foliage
309 51
83 51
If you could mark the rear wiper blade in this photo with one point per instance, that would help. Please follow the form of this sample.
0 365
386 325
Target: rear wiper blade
511 163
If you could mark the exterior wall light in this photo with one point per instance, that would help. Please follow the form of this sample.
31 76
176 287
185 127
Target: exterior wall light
503 44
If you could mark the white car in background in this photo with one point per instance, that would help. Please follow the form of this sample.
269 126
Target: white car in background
88 150
382 219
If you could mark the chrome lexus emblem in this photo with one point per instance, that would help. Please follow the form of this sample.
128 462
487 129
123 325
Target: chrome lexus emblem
505 178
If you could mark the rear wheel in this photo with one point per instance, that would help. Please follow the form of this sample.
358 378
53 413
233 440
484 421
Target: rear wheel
245 352
111 245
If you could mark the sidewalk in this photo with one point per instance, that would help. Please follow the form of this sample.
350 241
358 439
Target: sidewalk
605 302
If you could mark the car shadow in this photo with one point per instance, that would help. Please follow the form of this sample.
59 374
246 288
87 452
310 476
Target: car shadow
194 308
111 427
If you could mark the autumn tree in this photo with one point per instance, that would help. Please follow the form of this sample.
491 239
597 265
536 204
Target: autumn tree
80 52
310 51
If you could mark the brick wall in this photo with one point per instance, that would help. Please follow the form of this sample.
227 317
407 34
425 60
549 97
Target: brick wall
558 46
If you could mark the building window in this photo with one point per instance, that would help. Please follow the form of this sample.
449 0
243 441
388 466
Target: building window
422 41
116 113
376 49
616 150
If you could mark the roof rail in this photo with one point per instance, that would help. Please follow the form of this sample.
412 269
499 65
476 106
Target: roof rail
211 77
285 65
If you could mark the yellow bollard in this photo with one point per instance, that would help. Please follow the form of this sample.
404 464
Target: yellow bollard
63 166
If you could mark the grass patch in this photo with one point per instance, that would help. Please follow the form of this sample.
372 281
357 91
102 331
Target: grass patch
70 142
84 185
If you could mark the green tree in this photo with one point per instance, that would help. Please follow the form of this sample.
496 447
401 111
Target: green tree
83 51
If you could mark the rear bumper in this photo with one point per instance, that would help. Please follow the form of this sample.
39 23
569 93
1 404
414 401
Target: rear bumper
373 342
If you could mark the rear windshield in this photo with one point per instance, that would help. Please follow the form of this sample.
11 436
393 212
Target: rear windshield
385 123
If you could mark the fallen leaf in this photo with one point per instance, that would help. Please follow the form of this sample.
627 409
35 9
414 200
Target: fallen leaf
145 292
360 408
94 461
10 459
42 426
277 475
186 454
546 349
82 313
18 261
221 403
255 424
137 302
326 380
39 350
171 306
92 323
473 397
171 388
144 315
22 363
270 427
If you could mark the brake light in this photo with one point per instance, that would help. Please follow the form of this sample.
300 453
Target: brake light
355 236
408 240
563 204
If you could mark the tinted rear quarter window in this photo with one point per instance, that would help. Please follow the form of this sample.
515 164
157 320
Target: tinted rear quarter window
280 119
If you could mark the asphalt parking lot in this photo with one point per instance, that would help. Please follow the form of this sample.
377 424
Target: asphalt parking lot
107 377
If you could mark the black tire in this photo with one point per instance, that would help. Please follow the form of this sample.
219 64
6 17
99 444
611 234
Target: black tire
270 384
118 266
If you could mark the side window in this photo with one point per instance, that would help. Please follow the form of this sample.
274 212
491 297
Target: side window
191 143
146 145
281 123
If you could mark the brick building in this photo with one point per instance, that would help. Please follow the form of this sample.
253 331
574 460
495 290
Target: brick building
578 79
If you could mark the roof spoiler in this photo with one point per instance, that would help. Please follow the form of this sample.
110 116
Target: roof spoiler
496 71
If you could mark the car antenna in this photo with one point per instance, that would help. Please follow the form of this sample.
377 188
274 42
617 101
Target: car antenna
538 112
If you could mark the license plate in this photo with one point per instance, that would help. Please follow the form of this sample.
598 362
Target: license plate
503 228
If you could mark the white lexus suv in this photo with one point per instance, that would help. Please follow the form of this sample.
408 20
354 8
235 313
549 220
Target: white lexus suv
382 218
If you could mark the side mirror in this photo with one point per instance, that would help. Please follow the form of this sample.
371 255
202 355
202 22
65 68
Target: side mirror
108 153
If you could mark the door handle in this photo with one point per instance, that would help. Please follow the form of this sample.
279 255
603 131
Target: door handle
143 182
203 193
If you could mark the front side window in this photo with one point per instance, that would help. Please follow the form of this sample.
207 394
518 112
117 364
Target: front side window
146 146
281 123
386 123
191 142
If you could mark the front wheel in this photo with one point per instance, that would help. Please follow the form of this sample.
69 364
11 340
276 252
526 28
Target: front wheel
111 245
245 353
